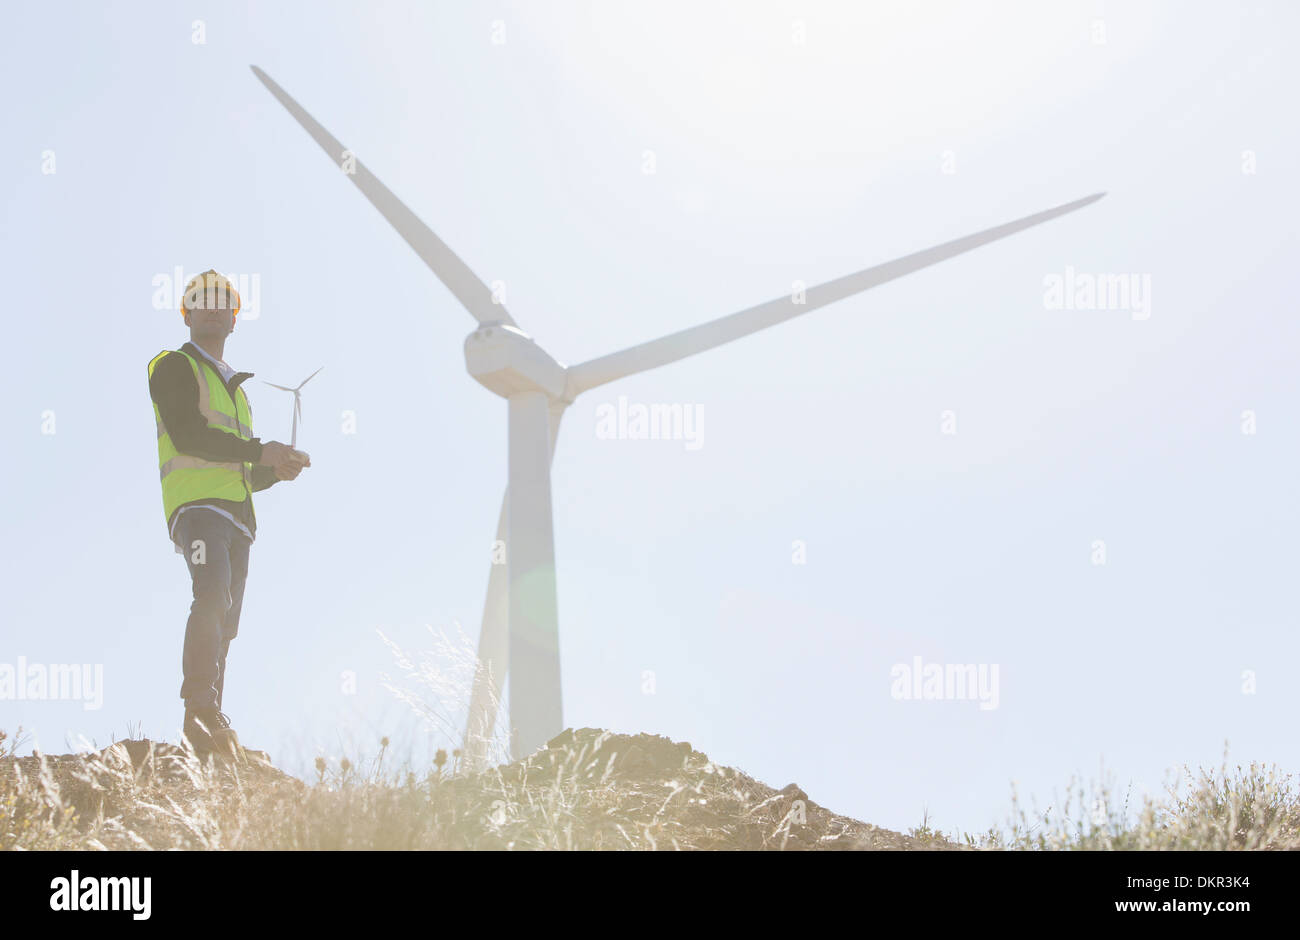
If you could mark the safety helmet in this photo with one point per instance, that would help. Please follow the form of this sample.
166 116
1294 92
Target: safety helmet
209 280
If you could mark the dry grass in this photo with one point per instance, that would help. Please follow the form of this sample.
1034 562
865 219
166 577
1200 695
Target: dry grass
590 789
1255 807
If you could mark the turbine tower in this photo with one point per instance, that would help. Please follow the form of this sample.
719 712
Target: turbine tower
520 632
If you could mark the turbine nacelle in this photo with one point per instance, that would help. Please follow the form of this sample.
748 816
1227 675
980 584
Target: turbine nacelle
506 360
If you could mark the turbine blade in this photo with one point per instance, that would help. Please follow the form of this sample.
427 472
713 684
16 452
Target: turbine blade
453 272
281 387
309 378
696 339
488 690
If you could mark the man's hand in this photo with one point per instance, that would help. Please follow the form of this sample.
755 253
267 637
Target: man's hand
284 460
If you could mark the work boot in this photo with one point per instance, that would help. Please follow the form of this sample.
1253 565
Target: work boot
208 731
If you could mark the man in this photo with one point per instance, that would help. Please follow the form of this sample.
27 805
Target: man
211 465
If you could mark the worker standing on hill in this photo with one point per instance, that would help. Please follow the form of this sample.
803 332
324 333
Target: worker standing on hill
211 465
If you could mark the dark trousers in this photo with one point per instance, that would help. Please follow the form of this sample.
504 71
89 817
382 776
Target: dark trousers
218 577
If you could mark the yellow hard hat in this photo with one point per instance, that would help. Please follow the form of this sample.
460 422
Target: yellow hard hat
208 280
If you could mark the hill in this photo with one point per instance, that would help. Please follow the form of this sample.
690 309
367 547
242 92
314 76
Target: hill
587 789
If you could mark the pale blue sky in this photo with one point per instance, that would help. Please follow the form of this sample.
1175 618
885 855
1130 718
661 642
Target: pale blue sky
775 162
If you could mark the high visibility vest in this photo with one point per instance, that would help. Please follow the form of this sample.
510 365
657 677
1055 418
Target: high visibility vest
186 477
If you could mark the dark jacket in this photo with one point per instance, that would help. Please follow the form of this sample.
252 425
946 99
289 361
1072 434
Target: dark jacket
176 393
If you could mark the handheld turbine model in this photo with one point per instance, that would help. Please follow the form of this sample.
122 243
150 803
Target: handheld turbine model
520 632
297 403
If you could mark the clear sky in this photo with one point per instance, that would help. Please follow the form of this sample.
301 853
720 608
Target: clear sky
789 141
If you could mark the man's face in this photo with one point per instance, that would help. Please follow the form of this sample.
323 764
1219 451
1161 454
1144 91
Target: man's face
211 311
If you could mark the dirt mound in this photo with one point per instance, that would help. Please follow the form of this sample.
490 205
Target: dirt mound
587 789
674 796
132 794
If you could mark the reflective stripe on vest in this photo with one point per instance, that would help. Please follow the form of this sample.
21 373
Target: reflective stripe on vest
224 420
185 477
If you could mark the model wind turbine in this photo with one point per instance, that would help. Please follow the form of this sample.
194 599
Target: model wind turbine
520 633
297 403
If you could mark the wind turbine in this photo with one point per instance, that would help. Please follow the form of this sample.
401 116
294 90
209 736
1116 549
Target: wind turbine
520 632
297 403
